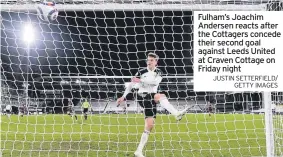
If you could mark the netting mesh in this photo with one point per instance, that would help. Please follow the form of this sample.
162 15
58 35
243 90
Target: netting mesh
91 53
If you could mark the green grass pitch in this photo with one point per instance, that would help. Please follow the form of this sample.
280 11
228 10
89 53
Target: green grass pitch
118 136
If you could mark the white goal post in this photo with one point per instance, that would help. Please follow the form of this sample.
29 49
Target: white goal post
91 52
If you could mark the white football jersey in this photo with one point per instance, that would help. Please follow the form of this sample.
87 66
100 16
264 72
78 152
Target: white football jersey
150 80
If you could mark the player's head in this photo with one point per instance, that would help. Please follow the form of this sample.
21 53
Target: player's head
152 60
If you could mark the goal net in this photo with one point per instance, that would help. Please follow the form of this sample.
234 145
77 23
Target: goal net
91 52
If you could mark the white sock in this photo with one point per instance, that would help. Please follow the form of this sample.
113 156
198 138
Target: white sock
169 107
143 141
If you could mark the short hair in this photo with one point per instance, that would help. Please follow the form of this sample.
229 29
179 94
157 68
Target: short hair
153 55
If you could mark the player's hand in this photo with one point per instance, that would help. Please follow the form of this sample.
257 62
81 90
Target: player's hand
136 80
120 100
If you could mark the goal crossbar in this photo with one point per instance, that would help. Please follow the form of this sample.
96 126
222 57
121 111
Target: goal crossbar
104 5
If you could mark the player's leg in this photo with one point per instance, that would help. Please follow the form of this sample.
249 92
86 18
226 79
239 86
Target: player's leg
75 115
85 113
8 113
162 99
150 115
149 124
21 113
73 112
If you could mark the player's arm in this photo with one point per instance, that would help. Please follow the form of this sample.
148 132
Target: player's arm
128 88
126 92
131 84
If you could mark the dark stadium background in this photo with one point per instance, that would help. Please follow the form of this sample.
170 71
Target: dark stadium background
102 43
